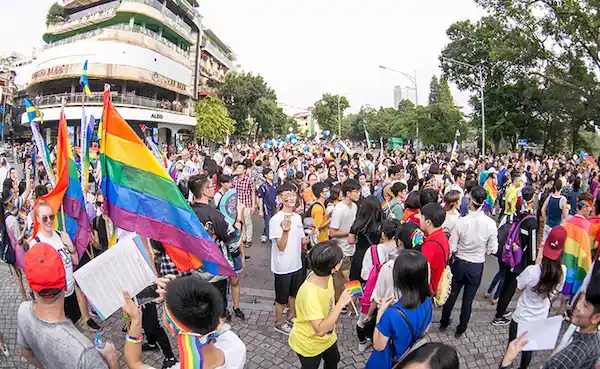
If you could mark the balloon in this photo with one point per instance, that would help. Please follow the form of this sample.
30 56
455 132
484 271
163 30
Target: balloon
272 141
294 141
305 147
287 140
269 145
334 136
292 136
264 146
326 133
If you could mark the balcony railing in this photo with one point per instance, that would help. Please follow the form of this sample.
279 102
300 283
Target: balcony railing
117 99
90 18
172 19
124 27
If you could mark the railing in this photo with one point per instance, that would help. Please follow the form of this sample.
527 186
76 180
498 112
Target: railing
94 17
171 17
218 54
124 27
116 98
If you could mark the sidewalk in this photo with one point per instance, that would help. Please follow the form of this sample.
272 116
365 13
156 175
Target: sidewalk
482 346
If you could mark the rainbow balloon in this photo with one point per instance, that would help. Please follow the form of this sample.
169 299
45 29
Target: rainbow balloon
355 288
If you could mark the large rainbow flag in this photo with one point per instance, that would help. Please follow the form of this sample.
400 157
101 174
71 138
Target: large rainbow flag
577 256
141 197
492 193
67 192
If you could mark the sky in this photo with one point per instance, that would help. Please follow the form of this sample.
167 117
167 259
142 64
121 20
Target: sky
304 48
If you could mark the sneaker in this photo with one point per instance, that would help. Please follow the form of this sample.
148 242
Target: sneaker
247 257
283 329
498 322
124 329
487 295
169 363
507 314
150 347
93 325
5 350
263 239
363 346
247 244
494 301
290 322
239 313
227 315
444 327
344 310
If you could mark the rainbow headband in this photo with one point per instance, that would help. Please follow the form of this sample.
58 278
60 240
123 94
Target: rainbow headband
190 344
584 203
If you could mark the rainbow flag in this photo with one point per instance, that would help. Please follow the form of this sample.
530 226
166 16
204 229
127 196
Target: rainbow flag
67 192
342 145
385 206
577 255
595 228
141 197
448 175
492 194
355 288
352 172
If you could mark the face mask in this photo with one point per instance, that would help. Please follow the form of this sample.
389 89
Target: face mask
327 195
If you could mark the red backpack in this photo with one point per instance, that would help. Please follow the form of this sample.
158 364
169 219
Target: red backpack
365 302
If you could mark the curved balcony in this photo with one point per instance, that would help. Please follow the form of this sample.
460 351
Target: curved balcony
85 21
158 12
100 32
117 99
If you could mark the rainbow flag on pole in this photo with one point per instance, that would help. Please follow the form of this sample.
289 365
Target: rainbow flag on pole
141 197
577 255
67 192
492 194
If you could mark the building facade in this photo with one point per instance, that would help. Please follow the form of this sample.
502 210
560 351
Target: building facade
150 52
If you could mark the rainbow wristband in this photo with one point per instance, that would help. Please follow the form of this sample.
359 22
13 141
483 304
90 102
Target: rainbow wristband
132 339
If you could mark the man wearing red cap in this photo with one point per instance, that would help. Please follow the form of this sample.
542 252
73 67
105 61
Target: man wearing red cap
47 339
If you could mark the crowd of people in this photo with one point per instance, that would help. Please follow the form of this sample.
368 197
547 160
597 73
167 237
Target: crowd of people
408 230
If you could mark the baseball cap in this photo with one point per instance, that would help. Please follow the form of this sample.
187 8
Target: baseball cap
555 243
44 268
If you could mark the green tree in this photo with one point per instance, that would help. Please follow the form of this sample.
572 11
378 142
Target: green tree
433 87
212 120
248 97
441 118
328 110
56 14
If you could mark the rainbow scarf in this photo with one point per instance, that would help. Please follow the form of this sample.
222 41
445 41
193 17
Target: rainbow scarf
448 176
492 193
409 213
577 255
386 208
430 183
190 344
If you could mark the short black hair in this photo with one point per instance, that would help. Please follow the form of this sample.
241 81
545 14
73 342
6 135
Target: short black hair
436 354
350 185
393 170
413 200
592 293
389 227
478 195
469 185
196 183
411 278
40 190
397 188
324 257
434 212
241 163
286 187
405 234
224 178
527 192
197 304
428 196
318 188
266 171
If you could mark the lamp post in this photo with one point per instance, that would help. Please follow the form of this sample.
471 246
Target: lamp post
413 80
479 69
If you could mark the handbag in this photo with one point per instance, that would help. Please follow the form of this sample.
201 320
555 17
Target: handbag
416 342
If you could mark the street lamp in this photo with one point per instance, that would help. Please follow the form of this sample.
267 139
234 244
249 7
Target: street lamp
413 80
481 88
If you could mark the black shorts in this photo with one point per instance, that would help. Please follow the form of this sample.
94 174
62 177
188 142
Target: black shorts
287 285
72 308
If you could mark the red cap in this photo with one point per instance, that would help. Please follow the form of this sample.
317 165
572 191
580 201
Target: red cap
44 268
555 243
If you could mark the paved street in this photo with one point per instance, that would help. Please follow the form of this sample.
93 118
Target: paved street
482 346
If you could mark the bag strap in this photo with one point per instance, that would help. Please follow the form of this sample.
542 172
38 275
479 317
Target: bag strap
412 329
375 256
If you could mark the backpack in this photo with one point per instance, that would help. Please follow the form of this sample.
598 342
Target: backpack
365 301
512 252
445 283
7 253
308 212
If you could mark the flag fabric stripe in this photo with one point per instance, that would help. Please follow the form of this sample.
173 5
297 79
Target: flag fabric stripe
577 256
121 150
140 212
141 181
492 193
171 235
153 207
83 80
80 232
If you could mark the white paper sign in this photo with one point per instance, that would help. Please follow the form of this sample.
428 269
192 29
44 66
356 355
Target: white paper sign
541 334
123 267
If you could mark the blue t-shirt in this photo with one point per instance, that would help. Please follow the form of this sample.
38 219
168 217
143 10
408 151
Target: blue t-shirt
393 325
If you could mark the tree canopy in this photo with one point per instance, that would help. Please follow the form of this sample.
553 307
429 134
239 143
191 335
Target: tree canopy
329 110
213 121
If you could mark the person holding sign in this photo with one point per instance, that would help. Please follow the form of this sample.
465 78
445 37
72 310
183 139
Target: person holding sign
313 336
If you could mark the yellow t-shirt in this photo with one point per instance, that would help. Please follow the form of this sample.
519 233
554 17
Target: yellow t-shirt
511 198
312 303
318 215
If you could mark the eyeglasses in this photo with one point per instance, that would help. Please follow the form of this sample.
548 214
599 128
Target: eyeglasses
48 218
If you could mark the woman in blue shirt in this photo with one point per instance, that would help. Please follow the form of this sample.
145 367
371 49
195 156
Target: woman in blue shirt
401 323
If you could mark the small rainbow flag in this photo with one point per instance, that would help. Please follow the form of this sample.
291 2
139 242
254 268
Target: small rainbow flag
492 193
355 288
352 172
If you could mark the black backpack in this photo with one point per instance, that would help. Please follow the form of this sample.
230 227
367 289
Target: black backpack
7 252
308 212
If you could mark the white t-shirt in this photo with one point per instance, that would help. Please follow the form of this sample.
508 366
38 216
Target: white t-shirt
234 351
290 259
384 253
531 306
342 219
63 251
384 287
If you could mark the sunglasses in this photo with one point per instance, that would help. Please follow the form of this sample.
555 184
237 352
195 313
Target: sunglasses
48 218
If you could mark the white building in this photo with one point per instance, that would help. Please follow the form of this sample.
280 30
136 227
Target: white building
397 96
152 53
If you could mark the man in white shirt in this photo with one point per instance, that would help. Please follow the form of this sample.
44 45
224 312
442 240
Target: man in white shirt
473 237
286 233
